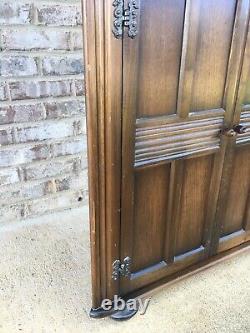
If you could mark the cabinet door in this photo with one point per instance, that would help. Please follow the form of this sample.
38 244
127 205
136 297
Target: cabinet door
179 88
233 214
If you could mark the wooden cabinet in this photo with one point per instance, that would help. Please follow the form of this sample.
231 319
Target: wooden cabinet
168 98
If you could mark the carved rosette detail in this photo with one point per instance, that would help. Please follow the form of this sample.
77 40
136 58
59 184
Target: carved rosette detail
132 23
125 18
118 18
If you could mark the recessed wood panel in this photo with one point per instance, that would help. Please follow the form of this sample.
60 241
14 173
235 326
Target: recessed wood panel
216 21
151 194
193 203
160 38
239 191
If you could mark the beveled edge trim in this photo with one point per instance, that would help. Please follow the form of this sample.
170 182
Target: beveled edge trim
164 266
233 239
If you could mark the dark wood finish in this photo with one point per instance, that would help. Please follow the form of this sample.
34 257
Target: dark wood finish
103 62
233 206
156 287
175 138
167 157
166 122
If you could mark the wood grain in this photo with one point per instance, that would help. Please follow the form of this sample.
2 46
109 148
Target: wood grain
166 142
239 187
166 188
103 55
160 43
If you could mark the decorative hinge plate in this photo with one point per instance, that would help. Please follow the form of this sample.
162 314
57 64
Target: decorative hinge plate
125 18
121 268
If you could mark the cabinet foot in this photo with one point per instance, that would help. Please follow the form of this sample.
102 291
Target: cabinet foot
123 314
120 315
99 313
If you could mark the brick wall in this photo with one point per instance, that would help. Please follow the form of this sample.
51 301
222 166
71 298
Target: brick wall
43 164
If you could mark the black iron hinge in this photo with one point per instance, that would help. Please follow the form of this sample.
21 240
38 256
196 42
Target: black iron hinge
125 18
121 268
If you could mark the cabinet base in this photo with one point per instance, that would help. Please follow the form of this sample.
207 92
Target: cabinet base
152 289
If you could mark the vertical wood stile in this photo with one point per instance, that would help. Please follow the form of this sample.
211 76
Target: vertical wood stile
189 46
101 122
89 14
177 173
189 49
113 133
243 80
247 215
169 249
130 86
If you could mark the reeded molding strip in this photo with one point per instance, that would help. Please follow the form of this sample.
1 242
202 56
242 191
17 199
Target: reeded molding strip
167 138
245 121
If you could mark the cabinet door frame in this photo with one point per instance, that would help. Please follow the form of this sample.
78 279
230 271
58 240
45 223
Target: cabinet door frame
104 88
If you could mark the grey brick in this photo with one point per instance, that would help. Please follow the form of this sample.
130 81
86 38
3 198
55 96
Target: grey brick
62 65
59 15
72 182
6 137
18 66
26 191
76 146
64 109
35 40
8 176
22 155
46 130
14 13
28 90
21 113
50 168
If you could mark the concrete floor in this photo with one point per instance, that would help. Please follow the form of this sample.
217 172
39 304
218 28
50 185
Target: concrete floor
45 286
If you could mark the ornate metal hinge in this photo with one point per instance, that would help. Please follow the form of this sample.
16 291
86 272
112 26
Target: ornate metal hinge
121 268
125 18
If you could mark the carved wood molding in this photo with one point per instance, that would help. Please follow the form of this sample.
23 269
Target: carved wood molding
245 121
168 141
